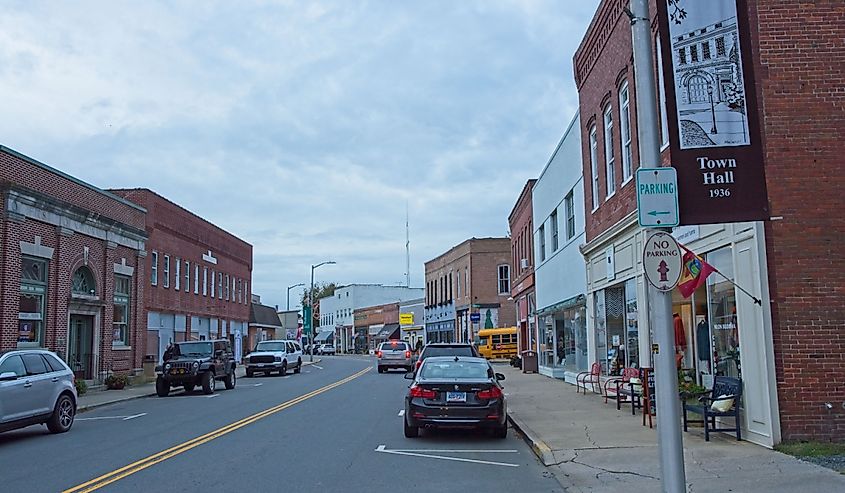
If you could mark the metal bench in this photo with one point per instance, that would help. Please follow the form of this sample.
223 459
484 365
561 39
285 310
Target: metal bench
593 377
628 391
724 389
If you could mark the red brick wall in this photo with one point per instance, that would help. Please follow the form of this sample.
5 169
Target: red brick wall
486 255
522 237
26 172
800 78
177 232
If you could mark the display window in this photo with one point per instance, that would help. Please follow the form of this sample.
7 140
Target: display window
721 301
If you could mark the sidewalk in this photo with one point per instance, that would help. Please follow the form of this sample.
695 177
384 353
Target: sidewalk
94 399
592 447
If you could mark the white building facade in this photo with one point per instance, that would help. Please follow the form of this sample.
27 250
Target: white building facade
337 311
560 273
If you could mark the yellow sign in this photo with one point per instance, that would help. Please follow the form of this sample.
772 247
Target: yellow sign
406 319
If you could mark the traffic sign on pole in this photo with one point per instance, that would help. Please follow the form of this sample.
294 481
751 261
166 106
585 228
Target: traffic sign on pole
662 261
657 197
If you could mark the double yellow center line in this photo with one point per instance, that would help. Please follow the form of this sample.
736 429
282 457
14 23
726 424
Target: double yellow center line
154 459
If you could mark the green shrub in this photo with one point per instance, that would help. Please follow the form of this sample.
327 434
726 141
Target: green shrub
81 386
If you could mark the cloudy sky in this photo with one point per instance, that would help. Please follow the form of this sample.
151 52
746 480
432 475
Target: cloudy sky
303 127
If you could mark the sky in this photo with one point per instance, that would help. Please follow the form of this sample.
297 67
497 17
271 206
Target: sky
305 128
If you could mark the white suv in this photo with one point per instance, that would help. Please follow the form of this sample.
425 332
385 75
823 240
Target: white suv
274 355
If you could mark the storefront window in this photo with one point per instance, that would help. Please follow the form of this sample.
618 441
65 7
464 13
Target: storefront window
722 311
631 326
32 304
615 316
120 318
601 330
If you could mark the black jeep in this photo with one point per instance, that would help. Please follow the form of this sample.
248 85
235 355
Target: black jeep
189 364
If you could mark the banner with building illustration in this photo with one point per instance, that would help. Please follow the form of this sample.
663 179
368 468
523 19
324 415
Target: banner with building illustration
711 110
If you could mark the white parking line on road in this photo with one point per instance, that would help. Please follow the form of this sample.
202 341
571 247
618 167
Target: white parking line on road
383 449
318 367
257 384
401 413
124 418
212 396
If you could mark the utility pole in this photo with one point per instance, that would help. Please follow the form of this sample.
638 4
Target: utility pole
407 249
289 288
311 303
669 438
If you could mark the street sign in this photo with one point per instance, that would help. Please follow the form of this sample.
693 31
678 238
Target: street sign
657 197
662 261
475 317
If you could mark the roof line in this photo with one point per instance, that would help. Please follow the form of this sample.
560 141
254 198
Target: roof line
71 178
560 143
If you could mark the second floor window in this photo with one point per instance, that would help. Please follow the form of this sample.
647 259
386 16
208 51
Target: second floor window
705 50
154 270
542 234
553 222
608 151
504 279
177 273
594 166
166 271
625 132
720 46
196 279
682 56
205 281
569 206
693 53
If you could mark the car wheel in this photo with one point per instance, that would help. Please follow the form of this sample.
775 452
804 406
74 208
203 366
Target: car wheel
284 370
380 369
208 383
249 373
298 366
63 414
410 431
230 380
189 387
162 387
501 432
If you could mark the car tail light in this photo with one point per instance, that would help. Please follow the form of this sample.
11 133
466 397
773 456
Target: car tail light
378 354
419 362
417 391
407 354
491 393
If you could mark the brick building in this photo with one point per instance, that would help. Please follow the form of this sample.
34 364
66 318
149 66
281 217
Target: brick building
521 225
789 262
69 280
376 324
472 277
198 276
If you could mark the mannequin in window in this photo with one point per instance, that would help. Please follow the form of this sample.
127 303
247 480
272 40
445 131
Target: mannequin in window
680 339
702 342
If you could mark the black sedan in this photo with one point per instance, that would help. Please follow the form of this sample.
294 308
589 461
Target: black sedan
455 391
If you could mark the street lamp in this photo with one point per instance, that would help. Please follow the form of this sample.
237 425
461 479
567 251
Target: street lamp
712 109
311 302
291 287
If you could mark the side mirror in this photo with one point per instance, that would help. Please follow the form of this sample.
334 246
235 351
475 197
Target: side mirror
8 375
500 377
409 375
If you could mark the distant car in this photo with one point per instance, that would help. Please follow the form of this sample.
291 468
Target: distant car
274 355
36 387
455 391
447 349
197 363
394 354
326 349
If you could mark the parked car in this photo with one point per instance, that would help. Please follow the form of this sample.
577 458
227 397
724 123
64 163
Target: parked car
274 355
447 349
326 349
455 391
394 354
189 364
36 387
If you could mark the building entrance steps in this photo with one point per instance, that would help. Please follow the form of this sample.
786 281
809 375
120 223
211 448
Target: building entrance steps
590 446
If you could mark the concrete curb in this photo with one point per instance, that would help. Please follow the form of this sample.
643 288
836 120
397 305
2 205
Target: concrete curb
539 447
88 407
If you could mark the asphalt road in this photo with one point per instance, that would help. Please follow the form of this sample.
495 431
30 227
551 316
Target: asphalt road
335 427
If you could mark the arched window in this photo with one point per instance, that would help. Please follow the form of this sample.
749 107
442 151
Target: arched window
83 282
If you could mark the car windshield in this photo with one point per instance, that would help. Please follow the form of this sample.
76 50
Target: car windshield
448 351
270 346
454 369
195 348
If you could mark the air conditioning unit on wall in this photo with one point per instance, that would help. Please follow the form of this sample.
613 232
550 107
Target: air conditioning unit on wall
523 263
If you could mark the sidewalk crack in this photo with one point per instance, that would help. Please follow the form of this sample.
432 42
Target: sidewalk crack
608 471
587 434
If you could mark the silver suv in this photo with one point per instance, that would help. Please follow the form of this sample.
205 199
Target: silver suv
36 387
394 354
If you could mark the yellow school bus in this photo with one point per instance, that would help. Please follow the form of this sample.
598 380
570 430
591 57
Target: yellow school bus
497 343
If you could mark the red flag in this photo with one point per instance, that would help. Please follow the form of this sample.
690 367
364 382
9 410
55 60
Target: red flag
694 271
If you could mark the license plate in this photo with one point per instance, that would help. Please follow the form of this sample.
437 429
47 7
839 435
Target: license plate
456 396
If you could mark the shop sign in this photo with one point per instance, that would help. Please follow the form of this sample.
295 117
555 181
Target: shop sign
662 260
713 117
475 317
406 318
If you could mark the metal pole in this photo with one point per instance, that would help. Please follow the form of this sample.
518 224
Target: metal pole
289 288
311 322
669 436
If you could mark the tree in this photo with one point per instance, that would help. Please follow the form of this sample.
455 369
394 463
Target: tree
321 290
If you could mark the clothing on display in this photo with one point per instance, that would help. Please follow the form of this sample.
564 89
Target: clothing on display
702 342
680 334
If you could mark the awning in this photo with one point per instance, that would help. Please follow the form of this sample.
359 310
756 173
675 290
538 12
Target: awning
324 336
563 305
389 331
375 329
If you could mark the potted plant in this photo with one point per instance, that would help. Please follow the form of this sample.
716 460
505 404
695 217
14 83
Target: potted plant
116 381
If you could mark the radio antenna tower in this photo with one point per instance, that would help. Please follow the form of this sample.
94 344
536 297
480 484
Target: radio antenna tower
407 249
